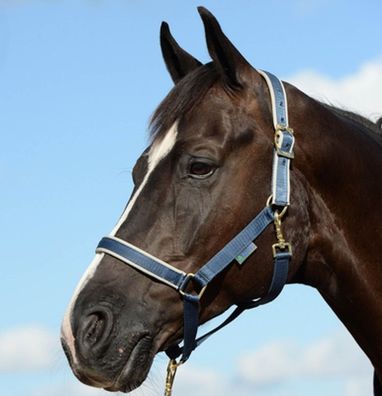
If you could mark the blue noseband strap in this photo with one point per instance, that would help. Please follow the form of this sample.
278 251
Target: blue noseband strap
192 286
142 261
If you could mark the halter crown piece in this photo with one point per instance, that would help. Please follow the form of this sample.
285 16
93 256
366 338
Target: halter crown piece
239 248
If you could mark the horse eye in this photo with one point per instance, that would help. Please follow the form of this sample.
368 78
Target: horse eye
201 170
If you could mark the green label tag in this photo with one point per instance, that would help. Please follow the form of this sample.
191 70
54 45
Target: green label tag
246 253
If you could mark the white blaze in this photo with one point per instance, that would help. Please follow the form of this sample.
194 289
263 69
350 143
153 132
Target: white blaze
159 150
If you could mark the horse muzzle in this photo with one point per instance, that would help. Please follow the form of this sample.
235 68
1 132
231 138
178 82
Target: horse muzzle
105 355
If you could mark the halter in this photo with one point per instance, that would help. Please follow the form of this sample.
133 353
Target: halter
239 248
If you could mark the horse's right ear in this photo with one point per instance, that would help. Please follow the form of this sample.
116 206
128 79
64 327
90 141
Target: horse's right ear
232 65
178 61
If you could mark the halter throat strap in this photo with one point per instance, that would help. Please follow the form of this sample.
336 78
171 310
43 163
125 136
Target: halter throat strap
239 248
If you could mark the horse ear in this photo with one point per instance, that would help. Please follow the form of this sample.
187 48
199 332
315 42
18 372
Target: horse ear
178 61
229 60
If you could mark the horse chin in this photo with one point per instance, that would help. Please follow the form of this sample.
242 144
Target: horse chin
139 360
121 369
136 367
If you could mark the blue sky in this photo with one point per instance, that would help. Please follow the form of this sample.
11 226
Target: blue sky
78 83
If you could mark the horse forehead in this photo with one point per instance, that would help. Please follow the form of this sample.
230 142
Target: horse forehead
219 128
212 122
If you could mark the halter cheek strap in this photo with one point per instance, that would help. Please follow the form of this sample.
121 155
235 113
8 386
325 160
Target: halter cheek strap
284 141
239 248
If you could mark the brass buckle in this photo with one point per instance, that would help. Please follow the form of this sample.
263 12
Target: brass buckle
281 245
280 127
285 247
284 154
186 281
278 135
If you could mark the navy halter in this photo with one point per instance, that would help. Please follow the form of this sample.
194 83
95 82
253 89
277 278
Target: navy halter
239 248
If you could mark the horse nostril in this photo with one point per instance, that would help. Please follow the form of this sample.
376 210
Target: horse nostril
94 331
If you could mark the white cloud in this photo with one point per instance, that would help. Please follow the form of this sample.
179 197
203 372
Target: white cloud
360 92
334 357
195 381
286 367
269 364
358 387
74 388
27 348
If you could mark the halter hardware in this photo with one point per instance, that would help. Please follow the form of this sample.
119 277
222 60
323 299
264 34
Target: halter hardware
239 248
189 278
278 142
281 245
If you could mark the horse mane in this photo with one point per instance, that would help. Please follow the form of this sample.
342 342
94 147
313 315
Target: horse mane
367 126
189 91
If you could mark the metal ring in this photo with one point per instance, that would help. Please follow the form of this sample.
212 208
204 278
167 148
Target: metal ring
186 281
283 211
280 213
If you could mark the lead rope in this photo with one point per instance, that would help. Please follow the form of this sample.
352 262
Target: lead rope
171 371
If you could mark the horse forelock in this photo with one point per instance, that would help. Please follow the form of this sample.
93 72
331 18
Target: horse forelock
184 96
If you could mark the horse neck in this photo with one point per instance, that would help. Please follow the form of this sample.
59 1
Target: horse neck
342 167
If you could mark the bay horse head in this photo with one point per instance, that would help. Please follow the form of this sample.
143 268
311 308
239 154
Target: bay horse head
204 177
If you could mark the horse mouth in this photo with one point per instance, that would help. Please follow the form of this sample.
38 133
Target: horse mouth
136 367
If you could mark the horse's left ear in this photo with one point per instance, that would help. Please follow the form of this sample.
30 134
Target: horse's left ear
229 60
178 61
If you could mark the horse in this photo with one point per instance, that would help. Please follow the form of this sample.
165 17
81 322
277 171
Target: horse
206 179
